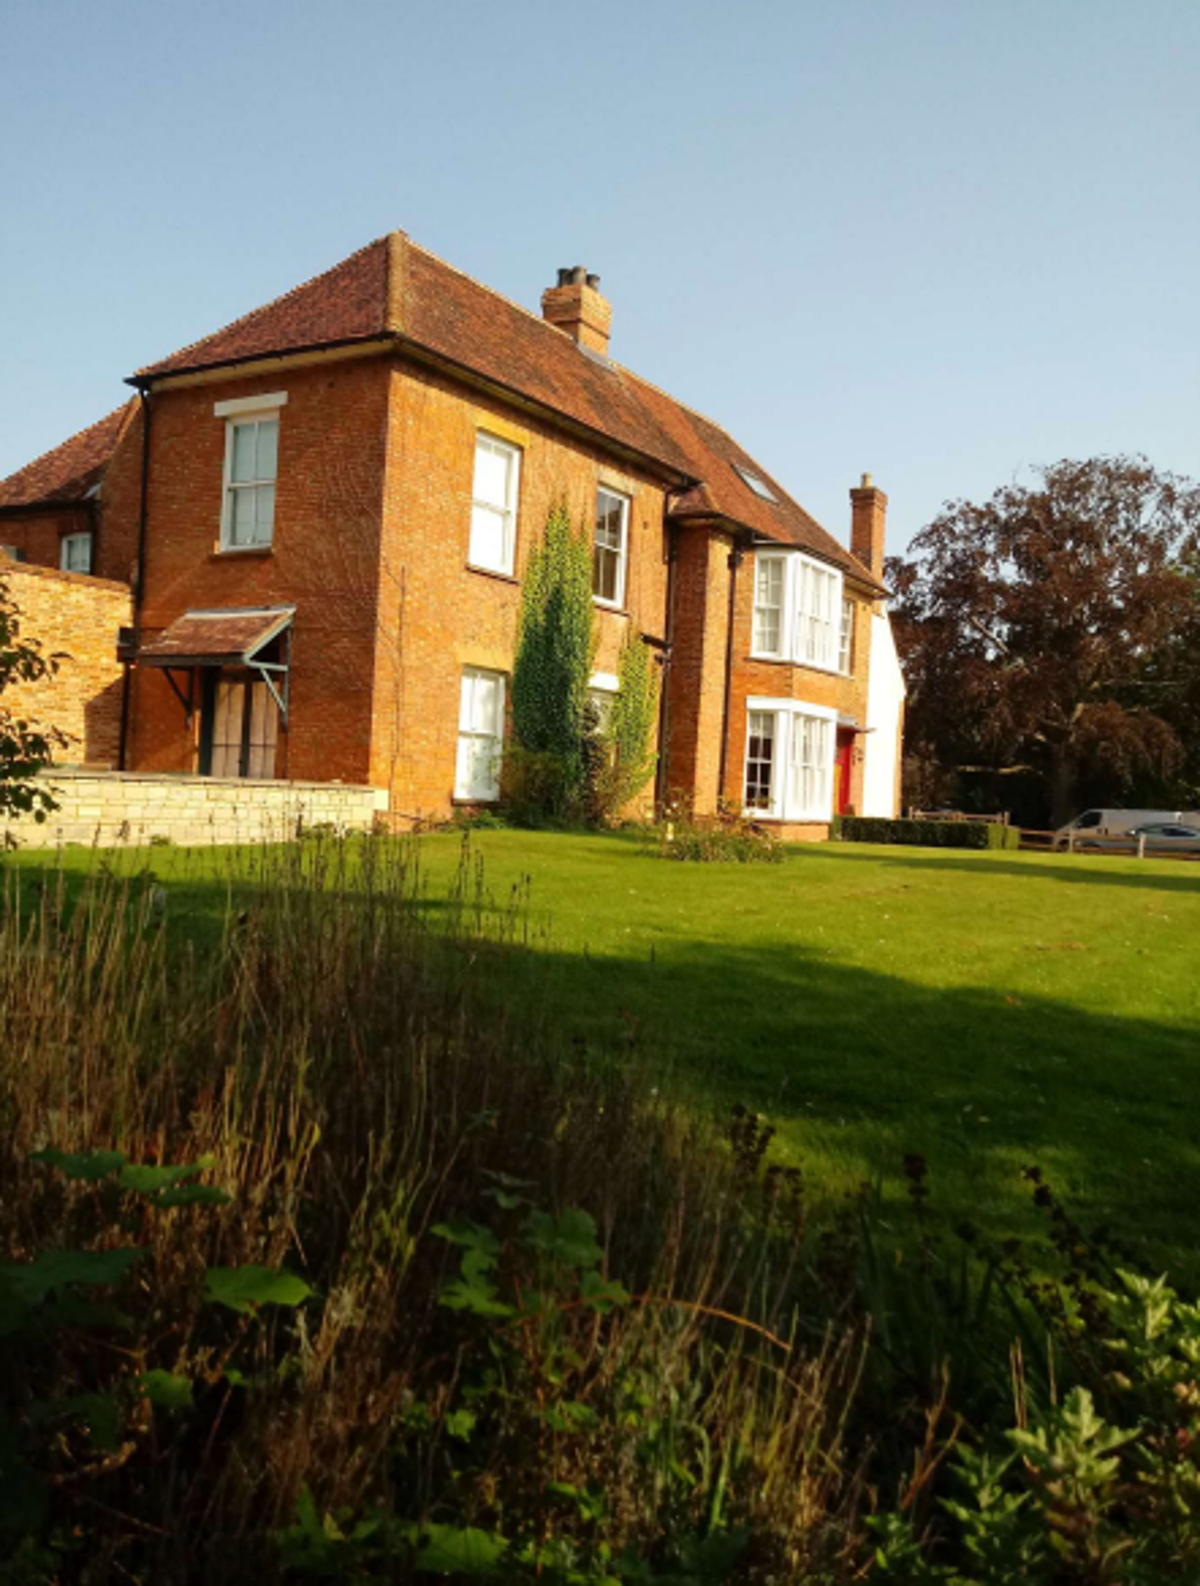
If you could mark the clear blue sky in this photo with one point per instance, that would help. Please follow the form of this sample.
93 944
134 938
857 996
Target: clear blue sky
937 239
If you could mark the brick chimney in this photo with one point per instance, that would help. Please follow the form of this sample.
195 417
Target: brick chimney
868 520
577 306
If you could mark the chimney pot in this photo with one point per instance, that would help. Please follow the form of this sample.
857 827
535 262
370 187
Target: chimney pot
867 482
577 307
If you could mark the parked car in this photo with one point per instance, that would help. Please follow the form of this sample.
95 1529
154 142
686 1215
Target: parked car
1168 836
1098 823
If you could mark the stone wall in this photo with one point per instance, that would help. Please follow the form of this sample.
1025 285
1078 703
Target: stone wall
106 809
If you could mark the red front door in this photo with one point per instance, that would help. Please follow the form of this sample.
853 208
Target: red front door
841 776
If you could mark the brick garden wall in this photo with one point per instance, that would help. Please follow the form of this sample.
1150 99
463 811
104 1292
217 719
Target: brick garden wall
79 617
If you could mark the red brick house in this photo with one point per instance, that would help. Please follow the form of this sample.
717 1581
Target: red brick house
324 511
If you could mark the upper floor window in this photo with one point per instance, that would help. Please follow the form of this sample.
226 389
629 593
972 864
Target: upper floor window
610 547
768 605
494 505
75 553
251 463
797 609
846 638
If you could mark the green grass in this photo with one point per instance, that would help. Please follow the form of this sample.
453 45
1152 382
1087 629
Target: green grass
986 1010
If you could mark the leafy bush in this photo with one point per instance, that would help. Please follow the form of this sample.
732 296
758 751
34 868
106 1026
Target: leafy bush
726 838
925 834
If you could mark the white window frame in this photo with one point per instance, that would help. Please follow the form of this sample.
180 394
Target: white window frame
603 688
82 537
801 623
239 411
618 602
846 637
462 793
508 512
789 715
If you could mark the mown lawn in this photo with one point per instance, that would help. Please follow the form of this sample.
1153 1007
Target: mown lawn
986 1010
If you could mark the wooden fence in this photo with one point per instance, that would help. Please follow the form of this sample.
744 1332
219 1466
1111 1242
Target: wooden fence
1127 847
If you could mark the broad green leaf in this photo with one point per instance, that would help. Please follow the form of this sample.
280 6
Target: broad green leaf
89 1166
476 1295
472 1236
460 1424
194 1195
32 1281
165 1390
244 1289
459 1550
569 1238
602 1296
149 1180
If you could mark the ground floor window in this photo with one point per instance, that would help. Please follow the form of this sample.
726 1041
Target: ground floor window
239 729
789 760
760 760
480 735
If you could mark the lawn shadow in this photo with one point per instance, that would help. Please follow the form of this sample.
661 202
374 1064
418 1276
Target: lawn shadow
1072 869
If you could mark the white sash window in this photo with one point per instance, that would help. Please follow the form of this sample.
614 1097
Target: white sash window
480 736
494 505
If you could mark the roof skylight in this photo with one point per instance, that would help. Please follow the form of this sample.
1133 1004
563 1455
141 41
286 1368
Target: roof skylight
755 483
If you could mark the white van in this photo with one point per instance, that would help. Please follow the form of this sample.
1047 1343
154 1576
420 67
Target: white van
1118 823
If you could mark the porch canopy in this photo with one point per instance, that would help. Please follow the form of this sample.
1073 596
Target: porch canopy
231 636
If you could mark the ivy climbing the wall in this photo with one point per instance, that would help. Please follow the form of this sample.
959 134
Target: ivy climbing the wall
544 770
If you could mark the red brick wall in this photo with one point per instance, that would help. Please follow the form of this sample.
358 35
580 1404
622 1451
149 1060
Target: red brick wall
697 677
438 615
323 557
78 617
38 536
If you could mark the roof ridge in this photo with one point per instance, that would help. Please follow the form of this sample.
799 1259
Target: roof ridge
76 436
502 296
263 308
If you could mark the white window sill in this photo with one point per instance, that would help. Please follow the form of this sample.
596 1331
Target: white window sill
244 550
615 606
808 666
505 573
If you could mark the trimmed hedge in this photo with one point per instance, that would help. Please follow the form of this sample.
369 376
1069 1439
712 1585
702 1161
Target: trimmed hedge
925 834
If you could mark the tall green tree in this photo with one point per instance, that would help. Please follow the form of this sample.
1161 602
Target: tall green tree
1040 630
555 645
627 758
25 748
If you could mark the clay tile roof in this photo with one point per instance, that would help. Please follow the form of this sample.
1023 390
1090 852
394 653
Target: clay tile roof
347 303
216 638
68 472
394 288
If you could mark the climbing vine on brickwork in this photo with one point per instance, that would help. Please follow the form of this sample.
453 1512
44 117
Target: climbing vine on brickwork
555 645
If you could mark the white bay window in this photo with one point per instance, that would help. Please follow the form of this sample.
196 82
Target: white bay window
797 610
789 760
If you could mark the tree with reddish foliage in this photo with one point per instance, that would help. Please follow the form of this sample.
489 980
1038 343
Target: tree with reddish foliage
1044 630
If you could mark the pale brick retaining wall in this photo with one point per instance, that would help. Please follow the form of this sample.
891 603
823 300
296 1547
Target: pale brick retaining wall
108 808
